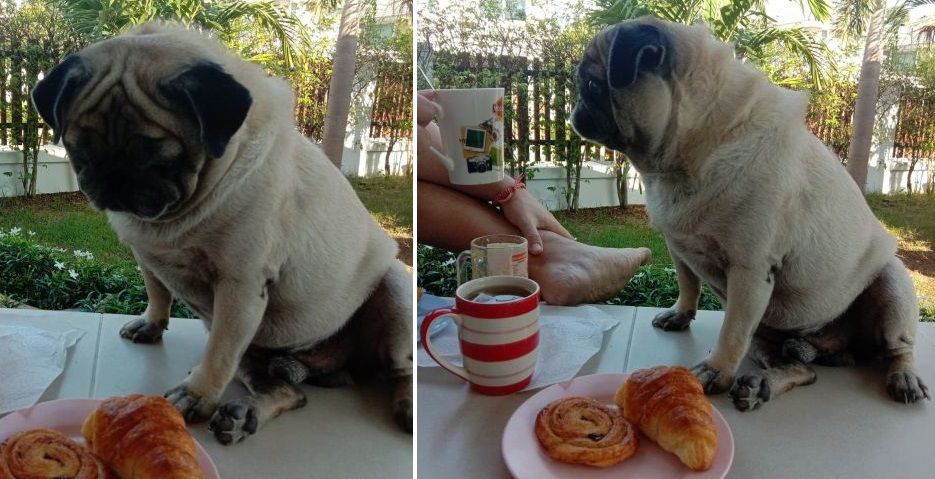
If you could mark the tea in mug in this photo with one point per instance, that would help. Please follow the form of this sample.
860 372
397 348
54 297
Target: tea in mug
498 294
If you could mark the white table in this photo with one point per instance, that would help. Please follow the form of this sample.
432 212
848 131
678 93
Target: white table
340 433
843 426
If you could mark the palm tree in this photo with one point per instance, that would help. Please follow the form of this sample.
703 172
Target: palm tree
853 16
228 19
741 22
342 81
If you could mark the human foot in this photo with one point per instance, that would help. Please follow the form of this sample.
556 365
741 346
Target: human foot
571 273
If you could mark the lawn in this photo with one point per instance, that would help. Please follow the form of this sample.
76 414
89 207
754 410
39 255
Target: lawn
68 221
910 218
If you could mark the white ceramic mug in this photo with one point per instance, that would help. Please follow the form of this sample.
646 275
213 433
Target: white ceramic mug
471 126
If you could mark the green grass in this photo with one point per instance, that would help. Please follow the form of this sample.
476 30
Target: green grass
389 199
612 228
67 221
910 217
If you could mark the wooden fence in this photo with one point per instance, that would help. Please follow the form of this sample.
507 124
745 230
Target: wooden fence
540 95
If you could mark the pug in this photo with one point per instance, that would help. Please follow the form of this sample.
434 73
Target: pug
194 156
753 205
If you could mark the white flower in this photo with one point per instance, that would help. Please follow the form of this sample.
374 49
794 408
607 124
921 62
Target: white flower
83 254
73 274
15 230
2 234
59 265
31 233
59 249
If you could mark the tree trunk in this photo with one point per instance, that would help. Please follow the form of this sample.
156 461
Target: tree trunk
386 159
623 171
912 168
868 89
342 81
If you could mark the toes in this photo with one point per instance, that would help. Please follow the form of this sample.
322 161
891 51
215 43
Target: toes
402 413
673 320
712 380
233 422
194 407
749 392
906 387
141 331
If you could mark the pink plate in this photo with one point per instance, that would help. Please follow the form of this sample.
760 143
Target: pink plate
67 416
527 459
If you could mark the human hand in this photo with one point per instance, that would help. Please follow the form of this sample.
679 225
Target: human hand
525 212
428 134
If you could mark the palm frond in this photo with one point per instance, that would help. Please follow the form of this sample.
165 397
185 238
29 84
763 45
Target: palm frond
813 53
820 9
851 17
917 3
732 14
895 18
612 12
269 17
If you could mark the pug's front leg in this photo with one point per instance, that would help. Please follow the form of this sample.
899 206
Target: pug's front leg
238 312
748 292
149 327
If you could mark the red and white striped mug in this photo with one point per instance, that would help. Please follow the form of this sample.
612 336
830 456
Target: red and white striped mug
498 329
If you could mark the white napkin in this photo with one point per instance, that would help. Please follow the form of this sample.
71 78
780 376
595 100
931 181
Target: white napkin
568 337
30 359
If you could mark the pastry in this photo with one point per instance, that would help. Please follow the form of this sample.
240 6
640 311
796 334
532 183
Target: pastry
583 431
47 454
669 406
142 437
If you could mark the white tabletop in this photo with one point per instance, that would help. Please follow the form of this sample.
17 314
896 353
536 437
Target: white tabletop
344 432
843 426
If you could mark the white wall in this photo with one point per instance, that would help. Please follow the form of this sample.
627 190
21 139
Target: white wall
370 161
55 174
598 186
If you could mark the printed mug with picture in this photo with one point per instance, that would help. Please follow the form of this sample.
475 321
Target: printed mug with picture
471 126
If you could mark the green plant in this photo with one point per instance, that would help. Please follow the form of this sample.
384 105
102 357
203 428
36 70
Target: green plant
55 279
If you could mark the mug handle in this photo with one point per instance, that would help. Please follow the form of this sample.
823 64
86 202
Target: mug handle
463 257
442 157
427 341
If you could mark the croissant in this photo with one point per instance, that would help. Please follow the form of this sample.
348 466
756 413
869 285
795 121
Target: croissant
669 406
47 454
142 437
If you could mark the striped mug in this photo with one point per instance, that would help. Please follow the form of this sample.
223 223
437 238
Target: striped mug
498 331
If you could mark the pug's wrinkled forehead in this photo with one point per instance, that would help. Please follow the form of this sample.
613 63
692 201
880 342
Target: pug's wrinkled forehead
159 83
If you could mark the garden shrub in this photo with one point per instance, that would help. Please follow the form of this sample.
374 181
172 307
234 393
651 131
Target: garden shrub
52 278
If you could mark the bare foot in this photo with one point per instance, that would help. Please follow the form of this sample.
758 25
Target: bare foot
571 273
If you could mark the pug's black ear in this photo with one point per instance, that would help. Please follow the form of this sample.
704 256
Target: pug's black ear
54 94
635 49
214 99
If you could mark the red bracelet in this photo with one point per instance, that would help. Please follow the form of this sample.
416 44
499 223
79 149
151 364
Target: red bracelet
507 194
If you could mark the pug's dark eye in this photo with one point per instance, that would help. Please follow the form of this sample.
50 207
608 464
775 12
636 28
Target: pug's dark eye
593 86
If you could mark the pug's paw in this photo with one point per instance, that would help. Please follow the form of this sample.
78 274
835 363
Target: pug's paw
234 422
140 330
402 413
673 320
749 392
193 406
712 380
906 387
